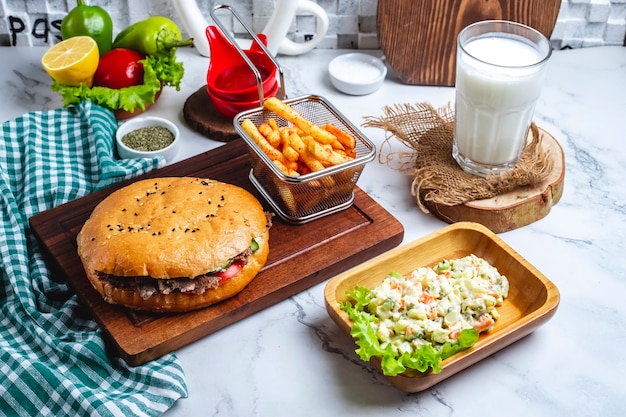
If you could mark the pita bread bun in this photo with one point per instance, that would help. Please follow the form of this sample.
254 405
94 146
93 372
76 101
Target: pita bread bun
172 228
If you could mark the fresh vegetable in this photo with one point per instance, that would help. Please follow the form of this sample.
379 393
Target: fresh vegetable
232 270
159 71
417 320
119 68
92 21
156 35
421 359
233 267
73 61
157 38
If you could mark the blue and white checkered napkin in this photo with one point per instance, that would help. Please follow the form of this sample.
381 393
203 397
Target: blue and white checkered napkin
52 357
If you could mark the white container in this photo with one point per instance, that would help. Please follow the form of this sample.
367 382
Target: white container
125 152
357 73
500 71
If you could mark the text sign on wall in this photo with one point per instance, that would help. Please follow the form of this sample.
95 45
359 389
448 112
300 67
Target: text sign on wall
43 29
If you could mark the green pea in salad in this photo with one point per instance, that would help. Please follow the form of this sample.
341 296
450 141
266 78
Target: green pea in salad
418 320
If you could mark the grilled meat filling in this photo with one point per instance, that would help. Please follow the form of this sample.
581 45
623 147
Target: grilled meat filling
148 286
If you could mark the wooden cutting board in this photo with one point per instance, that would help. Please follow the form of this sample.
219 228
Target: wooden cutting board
418 37
300 257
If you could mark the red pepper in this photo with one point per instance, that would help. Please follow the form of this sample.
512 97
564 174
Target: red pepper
119 68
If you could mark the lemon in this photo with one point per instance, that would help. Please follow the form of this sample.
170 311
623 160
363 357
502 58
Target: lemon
73 61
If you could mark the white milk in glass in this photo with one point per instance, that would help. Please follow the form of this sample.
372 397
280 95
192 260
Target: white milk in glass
498 83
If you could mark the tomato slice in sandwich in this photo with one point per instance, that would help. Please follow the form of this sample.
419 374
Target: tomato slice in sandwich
232 270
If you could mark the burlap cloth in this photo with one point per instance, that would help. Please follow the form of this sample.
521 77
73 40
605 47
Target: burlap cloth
437 177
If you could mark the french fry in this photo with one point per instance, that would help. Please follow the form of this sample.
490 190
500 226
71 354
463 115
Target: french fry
273 124
284 135
265 129
308 159
346 139
328 182
338 146
290 153
350 153
301 147
296 142
281 166
285 169
274 137
321 135
324 152
313 164
271 132
290 114
292 165
303 169
285 144
249 127
287 196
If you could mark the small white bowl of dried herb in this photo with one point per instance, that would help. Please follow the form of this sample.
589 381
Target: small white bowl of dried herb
147 137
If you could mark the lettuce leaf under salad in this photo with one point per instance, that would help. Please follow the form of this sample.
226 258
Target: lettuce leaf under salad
424 357
159 71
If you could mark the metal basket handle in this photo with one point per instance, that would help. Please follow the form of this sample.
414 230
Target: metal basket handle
259 81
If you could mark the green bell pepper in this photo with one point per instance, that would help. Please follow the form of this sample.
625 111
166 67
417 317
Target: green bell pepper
156 35
93 21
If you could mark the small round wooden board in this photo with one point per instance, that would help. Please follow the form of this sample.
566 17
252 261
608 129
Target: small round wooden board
202 116
517 208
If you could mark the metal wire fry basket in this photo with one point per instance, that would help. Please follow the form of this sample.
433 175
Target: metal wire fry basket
300 199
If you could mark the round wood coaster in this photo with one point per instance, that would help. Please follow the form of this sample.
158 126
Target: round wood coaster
514 209
202 116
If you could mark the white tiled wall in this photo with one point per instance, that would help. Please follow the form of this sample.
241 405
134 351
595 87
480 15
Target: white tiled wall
583 23
352 23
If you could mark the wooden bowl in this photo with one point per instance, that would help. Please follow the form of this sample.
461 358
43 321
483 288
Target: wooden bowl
532 298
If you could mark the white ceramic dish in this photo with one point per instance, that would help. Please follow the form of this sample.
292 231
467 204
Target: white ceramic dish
125 152
357 73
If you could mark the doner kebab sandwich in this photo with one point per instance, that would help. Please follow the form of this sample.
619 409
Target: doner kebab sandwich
174 244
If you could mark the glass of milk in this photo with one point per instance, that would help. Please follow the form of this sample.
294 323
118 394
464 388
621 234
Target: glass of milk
500 69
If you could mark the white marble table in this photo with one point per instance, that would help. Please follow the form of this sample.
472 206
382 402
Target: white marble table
291 359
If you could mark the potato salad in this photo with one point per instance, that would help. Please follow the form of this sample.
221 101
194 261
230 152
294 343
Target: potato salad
428 311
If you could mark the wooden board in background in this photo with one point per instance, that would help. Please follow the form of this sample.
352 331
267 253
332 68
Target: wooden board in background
418 37
300 257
